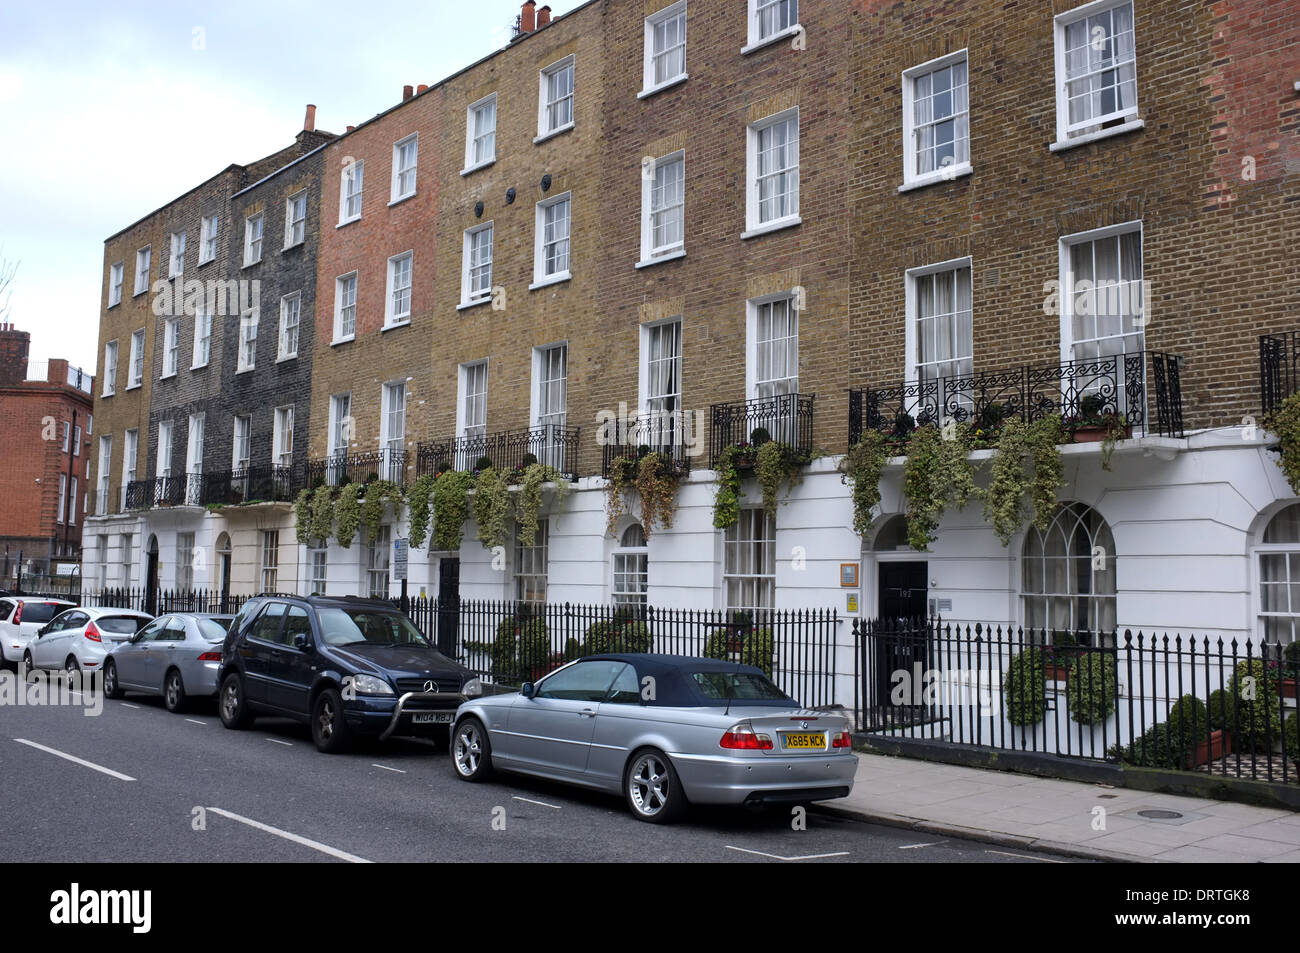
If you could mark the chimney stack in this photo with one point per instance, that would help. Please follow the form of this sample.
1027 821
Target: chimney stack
543 17
350 128
309 122
14 346
407 92
528 17
421 88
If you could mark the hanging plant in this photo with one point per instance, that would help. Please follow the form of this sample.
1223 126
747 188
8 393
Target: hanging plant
1285 422
1027 471
322 513
492 508
378 493
726 502
775 464
938 474
348 513
302 516
1047 469
862 467
656 483
417 504
450 508
529 504
622 475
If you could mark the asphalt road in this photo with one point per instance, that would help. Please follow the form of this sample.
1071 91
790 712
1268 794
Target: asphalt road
156 787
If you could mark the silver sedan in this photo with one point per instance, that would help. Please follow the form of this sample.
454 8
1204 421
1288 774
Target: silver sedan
176 656
662 731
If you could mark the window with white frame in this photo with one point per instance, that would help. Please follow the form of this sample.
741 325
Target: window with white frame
405 154
936 120
295 219
473 400
631 564
101 548
661 383
476 271
551 256
163 461
665 47
171 347
551 374
345 307
184 561
290 316
769 19
76 441
481 132
399 290
350 191
115 284
208 238
318 560
194 460
663 207
110 368
340 434
202 338
142 269
247 341
393 401
1102 292
176 263
531 563
1068 573
270 560
67 436
130 448
137 359
103 474
282 437
749 561
1096 69
253 239
63 498
1278 563
773 162
72 502
241 444
940 331
555 111
127 556
378 555
774 368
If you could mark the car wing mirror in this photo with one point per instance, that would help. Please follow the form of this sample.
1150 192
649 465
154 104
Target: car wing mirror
528 690
302 642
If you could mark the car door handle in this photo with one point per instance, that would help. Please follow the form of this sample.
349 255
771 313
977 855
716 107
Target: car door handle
588 713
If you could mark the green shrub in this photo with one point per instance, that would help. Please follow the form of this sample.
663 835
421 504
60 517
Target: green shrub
1258 721
1188 721
1091 688
616 635
1024 688
1220 709
756 647
522 647
1170 743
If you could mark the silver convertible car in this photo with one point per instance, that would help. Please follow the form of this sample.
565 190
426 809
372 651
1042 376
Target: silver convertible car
662 730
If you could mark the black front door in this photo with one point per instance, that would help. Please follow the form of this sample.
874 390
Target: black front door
901 634
225 582
448 604
151 582
903 590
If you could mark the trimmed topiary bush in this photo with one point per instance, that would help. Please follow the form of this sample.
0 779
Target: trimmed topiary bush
1219 710
748 646
1024 688
1291 737
1258 721
1170 743
522 648
616 636
1091 689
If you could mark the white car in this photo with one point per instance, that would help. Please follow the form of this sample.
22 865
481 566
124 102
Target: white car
78 639
21 617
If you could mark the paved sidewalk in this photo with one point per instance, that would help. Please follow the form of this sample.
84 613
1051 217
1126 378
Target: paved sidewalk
1020 810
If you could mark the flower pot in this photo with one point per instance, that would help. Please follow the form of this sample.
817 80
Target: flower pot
1219 745
1056 673
1287 687
1096 433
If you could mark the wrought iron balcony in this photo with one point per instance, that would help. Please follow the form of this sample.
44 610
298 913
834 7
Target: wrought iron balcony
160 491
669 433
263 484
1145 387
364 467
1279 364
787 418
550 444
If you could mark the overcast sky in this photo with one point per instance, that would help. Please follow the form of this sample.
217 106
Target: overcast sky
109 110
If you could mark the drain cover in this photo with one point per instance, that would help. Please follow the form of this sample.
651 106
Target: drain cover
1160 815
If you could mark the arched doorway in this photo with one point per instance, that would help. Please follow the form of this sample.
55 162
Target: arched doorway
223 570
151 576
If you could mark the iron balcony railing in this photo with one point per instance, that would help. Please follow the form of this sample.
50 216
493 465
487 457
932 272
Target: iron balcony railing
160 491
265 483
787 418
1144 386
1279 367
552 445
669 433
341 468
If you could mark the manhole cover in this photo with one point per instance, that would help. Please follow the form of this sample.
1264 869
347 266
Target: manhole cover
1160 815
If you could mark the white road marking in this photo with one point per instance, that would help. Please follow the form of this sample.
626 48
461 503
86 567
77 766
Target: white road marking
195 721
376 764
277 741
934 843
746 850
1045 860
314 845
75 760
528 800
129 705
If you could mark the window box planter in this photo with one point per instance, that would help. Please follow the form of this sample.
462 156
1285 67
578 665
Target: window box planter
1096 433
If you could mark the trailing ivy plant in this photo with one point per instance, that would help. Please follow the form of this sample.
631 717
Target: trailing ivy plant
302 516
348 513
378 493
1285 422
529 504
450 508
417 503
775 464
726 502
1047 469
656 483
492 508
322 513
862 468
622 475
1027 474
938 474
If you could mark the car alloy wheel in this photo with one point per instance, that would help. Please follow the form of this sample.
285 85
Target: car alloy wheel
234 713
652 788
471 752
174 691
329 729
28 665
111 688
71 665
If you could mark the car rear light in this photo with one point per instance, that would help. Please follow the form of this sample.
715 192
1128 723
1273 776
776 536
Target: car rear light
842 739
92 633
743 737
18 614
210 657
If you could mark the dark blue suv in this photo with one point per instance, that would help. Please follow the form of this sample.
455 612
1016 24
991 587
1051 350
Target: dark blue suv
344 665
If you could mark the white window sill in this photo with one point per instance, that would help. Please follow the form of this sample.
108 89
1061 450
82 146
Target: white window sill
774 38
465 305
1063 145
660 87
481 165
250 264
116 303
774 226
401 198
167 376
348 221
660 259
287 357
393 325
198 367
174 275
550 280
136 294
949 174
108 393
245 370
552 134
294 245
134 386
206 261
337 341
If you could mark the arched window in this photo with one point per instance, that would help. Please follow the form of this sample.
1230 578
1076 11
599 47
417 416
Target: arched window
1068 581
892 536
1279 577
631 560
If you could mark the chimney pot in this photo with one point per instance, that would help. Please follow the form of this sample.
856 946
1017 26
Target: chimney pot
407 91
421 88
309 122
350 128
528 17
543 17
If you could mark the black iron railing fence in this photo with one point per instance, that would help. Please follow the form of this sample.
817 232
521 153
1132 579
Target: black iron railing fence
669 433
1279 368
552 445
364 467
787 418
1210 705
255 483
166 600
160 491
1145 387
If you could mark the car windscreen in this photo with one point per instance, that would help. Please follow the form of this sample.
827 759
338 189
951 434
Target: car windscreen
119 624
42 611
214 630
723 687
353 626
